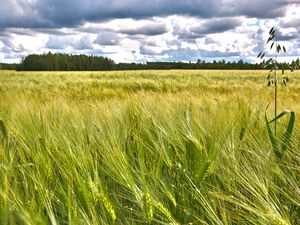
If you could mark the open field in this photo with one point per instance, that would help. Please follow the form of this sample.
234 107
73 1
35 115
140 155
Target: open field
145 147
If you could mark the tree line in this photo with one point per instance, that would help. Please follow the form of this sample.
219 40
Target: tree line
8 66
67 62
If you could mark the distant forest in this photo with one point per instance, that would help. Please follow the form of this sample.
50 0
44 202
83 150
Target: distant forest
66 62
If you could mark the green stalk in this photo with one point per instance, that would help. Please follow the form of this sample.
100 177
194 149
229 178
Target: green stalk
275 104
275 99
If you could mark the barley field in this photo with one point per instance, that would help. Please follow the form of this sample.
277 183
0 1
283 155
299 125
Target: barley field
146 147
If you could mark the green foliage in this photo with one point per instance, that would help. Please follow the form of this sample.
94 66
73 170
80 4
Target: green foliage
8 66
65 62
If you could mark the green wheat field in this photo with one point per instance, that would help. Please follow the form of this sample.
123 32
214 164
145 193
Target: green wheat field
146 147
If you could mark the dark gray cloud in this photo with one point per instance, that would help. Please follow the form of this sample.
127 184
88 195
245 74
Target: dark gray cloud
20 31
145 50
259 41
288 36
257 8
209 41
291 23
209 26
33 32
84 43
61 43
13 55
293 34
56 32
151 43
93 29
73 13
6 50
147 29
107 38
21 14
7 42
9 47
216 26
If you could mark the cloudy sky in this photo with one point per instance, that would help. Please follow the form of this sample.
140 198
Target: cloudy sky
147 30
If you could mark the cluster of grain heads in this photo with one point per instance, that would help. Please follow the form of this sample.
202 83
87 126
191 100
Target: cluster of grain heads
147 206
100 197
167 216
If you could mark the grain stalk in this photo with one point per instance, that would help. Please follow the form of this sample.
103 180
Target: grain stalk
273 65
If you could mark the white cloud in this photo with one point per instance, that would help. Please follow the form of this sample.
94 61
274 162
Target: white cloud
156 37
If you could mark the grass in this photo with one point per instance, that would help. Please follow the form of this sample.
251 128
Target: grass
144 147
